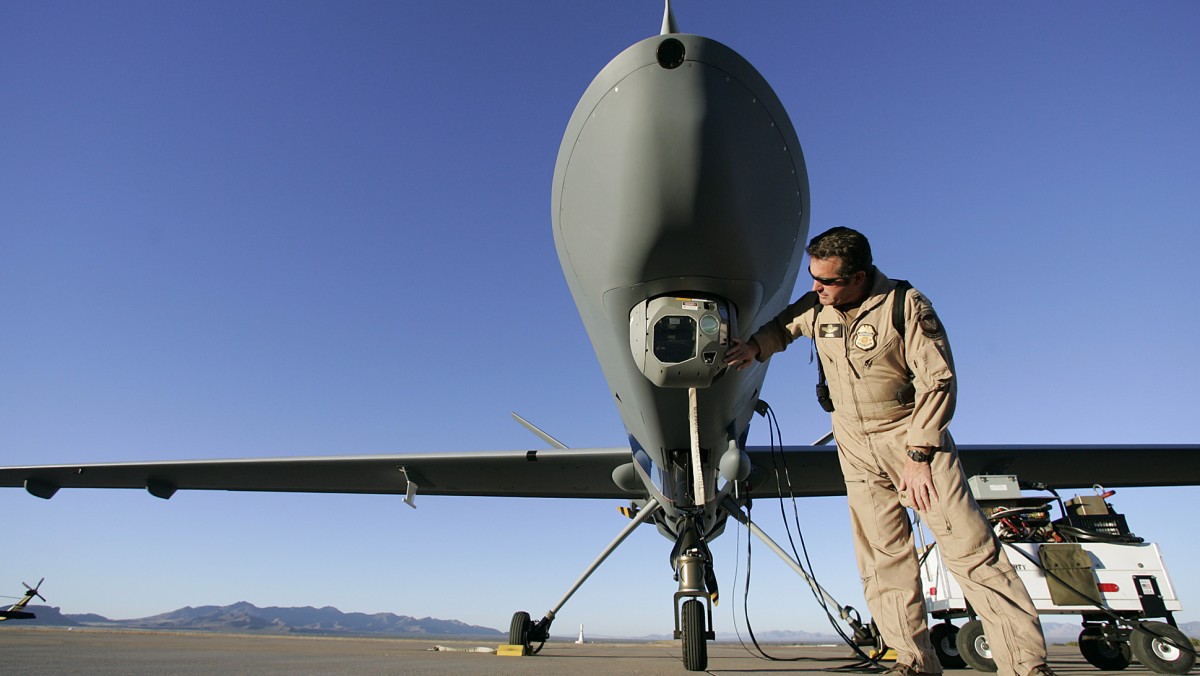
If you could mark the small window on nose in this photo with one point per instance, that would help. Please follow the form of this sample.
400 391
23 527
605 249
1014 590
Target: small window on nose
675 339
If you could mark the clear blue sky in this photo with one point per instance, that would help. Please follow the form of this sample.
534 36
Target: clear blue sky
240 229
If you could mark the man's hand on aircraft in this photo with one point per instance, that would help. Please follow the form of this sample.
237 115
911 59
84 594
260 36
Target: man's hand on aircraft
741 354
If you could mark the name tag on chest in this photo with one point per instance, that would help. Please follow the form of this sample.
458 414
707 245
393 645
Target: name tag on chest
831 331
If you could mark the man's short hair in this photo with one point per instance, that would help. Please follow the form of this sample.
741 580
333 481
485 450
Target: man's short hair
849 245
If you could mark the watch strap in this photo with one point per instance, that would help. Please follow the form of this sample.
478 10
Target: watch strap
919 456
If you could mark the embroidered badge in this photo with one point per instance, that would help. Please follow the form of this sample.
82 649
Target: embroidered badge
864 337
831 331
931 326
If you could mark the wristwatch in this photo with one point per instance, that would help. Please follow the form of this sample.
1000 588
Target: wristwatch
919 456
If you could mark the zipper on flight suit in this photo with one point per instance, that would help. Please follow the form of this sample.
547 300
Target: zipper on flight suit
846 345
850 332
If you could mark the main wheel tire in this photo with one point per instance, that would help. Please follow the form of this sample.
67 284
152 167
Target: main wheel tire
518 630
695 646
944 638
973 647
1102 653
1162 648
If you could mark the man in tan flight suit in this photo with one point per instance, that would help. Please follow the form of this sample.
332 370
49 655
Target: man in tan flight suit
895 451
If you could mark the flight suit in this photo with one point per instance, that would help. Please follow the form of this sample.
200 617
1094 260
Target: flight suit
875 420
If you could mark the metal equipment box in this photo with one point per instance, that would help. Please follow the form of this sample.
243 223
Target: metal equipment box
994 486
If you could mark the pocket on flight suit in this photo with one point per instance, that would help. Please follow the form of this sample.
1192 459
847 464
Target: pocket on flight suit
876 392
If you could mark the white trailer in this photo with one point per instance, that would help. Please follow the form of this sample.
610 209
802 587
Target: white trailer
1116 586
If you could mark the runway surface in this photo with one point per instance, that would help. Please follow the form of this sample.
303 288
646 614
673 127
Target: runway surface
37 650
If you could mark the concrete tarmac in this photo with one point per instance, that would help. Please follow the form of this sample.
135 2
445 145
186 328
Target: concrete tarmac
44 650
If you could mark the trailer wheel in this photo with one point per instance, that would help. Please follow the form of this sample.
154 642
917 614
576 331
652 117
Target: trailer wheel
1102 653
943 636
974 648
1162 647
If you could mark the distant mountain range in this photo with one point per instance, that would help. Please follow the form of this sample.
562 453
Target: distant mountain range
250 619
246 618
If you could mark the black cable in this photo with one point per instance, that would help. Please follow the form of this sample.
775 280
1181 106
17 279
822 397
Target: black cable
774 422
762 654
1080 534
736 548
746 594
869 664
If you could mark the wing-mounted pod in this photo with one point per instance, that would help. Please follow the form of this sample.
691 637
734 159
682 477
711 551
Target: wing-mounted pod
680 340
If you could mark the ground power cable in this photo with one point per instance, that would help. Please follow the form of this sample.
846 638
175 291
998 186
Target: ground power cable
868 664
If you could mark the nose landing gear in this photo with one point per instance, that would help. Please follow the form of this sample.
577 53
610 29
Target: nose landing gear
692 561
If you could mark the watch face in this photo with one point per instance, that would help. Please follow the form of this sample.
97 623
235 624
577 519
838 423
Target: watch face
918 456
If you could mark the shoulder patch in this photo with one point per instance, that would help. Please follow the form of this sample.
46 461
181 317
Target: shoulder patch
930 325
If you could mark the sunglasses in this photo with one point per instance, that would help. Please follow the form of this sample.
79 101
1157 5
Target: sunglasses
829 281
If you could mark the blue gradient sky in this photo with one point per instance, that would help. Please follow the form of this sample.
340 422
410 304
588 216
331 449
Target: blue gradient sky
236 229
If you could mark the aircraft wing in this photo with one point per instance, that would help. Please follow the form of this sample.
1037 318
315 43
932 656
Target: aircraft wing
16 615
813 470
553 473
587 473
1081 466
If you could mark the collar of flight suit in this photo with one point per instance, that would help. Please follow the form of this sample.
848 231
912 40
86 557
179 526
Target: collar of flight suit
881 286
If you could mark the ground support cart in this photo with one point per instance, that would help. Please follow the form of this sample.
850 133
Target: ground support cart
1129 579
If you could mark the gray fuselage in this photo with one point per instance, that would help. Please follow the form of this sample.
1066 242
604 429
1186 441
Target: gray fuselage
680 186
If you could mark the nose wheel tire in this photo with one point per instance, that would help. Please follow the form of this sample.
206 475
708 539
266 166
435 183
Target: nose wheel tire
695 648
974 648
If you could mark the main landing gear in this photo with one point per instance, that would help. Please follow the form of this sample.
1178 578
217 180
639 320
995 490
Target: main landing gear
524 632
697 592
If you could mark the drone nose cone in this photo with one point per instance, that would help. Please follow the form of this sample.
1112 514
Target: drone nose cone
677 145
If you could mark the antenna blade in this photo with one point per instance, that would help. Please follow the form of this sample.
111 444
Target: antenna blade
668 25
541 435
